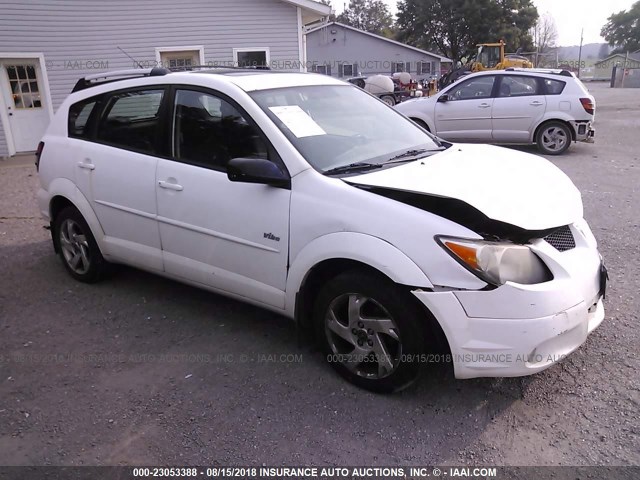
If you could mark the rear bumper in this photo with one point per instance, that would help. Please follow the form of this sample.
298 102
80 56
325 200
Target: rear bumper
584 132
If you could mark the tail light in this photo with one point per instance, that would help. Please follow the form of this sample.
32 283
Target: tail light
588 105
38 153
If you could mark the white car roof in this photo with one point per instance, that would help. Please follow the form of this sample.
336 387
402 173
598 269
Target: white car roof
246 79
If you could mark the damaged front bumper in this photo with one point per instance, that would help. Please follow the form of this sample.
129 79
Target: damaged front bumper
515 330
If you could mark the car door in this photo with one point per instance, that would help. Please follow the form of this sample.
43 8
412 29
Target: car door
463 113
518 108
227 235
116 169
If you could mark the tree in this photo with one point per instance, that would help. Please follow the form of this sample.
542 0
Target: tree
332 15
622 29
454 27
545 38
545 34
369 15
604 51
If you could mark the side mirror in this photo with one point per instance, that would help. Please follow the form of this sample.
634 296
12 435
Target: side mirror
444 98
257 170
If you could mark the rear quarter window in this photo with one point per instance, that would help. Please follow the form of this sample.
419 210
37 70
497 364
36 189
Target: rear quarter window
79 115
553 87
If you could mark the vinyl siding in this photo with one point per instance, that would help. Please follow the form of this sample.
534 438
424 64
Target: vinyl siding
4 150
81 37
373 55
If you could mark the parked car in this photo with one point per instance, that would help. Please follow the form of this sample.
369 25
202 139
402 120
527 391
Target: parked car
307 196
550 108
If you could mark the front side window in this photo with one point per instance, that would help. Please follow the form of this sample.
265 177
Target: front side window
517 86
131 120
208 131
79 114
553 87
337 125
474 88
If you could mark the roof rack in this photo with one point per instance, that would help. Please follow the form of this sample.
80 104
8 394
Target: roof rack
187 68
555 71
114 76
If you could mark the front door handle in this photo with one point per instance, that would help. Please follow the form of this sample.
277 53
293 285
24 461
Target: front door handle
484 105
86 165
170 186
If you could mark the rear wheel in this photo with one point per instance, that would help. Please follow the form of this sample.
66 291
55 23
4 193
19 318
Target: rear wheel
370 330
78 249
553 138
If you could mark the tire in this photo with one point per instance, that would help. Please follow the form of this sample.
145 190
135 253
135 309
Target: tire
77 247
389 100
378 346
421 123
553 138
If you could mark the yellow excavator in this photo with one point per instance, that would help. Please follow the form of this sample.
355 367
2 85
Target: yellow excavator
490 56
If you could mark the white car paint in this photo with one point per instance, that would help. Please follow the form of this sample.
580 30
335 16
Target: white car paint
499 119
487 184
212 233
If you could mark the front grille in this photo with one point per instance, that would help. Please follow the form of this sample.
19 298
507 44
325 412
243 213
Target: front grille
562 239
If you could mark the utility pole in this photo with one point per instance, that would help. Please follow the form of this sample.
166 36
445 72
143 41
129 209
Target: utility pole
580 51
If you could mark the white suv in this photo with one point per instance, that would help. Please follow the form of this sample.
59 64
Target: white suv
550 108
307 196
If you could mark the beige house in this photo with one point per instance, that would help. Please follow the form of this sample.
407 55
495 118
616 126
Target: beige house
604 68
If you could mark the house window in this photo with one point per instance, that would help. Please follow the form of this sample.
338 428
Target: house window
179 57
323 69
423 68
401 67
251 57
347 69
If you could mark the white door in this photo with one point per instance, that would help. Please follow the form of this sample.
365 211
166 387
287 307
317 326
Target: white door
517 109
466 115
228 235
27 109
116 171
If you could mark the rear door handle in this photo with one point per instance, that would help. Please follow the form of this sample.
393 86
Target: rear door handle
536 104
484 105
86 165
170 186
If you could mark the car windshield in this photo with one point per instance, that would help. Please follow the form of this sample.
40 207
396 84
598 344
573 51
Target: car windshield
335 126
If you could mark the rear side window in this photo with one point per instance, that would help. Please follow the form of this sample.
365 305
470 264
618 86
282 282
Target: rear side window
79 114
131 120
553 87
517 86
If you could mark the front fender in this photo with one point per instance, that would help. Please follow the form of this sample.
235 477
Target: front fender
360 247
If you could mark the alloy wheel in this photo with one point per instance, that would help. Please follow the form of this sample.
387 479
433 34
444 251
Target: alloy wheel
363 336
75 247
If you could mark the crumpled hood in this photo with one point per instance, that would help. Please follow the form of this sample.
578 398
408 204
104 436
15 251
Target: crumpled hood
505 185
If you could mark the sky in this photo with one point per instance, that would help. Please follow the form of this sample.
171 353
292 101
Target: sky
570 16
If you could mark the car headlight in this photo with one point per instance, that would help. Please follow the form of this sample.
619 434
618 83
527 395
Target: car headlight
497 262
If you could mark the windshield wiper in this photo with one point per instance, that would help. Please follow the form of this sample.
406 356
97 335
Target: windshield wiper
352 167
410 155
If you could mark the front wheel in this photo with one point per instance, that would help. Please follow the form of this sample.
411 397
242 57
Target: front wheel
370 330
553 138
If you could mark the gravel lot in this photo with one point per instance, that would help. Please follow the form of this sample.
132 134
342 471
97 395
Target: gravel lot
142 370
